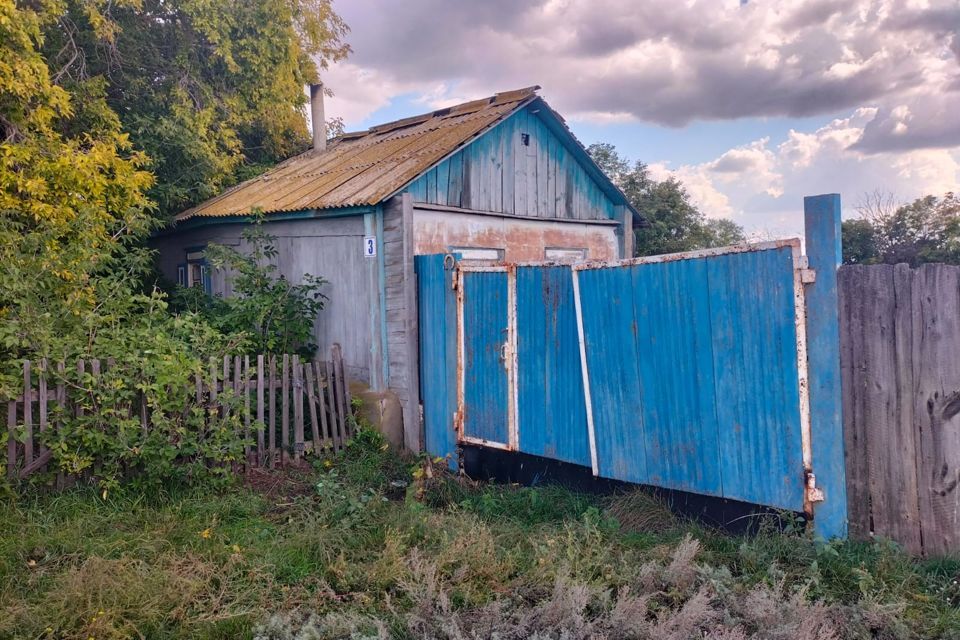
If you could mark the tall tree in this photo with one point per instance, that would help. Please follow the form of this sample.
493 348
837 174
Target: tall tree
674 222
72 197
210 90
925 230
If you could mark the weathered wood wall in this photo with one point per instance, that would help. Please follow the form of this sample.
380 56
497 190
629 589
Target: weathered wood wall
520 167
900 360
401 308
328 247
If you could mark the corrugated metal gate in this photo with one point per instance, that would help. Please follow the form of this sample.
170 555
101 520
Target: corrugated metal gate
685 371
697 372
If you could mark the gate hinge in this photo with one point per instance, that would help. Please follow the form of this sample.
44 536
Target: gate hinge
458 421
807 275
814 493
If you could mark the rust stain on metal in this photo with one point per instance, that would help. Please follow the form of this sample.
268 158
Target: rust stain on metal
520 240
360 169
793 243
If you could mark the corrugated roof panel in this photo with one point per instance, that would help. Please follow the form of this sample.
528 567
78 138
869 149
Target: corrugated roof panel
362 168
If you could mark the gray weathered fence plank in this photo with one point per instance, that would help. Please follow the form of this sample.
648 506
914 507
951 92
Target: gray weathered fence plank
297 408
936 345
272 435
285 411
260 409
312 406
881 399
849 279
341 389
903 454
27 413
226 385
334 417
246 408
213 385
12 439
42 399
324 423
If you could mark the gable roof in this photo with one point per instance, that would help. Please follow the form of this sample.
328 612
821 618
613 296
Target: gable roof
366 167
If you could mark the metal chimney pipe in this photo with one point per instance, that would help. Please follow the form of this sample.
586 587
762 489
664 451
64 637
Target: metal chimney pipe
317 117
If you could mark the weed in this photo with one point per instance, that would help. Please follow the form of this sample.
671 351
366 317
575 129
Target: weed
331 553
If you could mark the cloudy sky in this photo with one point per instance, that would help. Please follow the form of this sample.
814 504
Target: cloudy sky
751 104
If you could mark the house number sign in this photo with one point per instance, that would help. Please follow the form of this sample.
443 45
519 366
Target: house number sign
370 246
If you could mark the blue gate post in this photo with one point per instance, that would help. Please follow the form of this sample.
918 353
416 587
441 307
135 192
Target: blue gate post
822 229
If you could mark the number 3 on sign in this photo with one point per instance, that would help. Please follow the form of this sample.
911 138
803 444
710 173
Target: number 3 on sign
370 246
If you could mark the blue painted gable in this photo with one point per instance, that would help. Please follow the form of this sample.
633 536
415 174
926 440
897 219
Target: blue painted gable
528 165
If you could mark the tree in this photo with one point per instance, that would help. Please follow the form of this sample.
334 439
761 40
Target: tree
210 90
674 222
925 230
72 201
859 242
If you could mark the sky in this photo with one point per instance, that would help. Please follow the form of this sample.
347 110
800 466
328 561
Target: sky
752 104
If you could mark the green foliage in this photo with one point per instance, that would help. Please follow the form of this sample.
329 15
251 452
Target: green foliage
186 442
859 239
675 224
334 557
72 205
210 90
925 230
269 314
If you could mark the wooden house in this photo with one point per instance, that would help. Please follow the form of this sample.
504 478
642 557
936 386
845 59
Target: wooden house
501 178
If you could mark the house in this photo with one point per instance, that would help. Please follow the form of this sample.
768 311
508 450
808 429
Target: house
501 178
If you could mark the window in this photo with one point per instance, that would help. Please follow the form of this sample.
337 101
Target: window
478 253
195 272
565 254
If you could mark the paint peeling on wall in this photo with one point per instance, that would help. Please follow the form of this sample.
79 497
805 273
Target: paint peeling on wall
520 240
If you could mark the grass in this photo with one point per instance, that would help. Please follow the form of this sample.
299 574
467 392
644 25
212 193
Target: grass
369 545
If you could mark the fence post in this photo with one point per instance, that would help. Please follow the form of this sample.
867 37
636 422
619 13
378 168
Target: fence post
822 229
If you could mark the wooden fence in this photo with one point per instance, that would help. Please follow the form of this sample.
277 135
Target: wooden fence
900 360
268 389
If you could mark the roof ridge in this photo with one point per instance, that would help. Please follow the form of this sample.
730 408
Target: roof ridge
363 168
501 97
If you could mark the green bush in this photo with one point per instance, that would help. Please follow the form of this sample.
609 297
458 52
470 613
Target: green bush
150 365
272 314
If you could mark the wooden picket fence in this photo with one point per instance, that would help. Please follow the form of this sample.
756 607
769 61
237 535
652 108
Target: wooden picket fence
261 383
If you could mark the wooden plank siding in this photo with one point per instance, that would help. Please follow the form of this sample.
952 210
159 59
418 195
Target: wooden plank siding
501 173
401 313
900 336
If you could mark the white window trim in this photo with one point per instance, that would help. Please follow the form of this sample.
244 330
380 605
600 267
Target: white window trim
479 253
565 254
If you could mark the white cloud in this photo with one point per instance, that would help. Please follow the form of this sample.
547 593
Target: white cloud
892 65
670 62
763 188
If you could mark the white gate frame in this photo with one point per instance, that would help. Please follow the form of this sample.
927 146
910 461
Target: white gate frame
508 353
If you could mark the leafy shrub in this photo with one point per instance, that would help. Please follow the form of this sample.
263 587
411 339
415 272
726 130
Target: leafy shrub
152 368
270 312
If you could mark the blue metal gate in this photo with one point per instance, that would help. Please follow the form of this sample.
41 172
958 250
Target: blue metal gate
697 372
686 371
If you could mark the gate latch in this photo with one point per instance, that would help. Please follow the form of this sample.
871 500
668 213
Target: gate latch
814 493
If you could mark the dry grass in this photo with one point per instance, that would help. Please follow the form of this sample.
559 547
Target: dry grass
337 553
